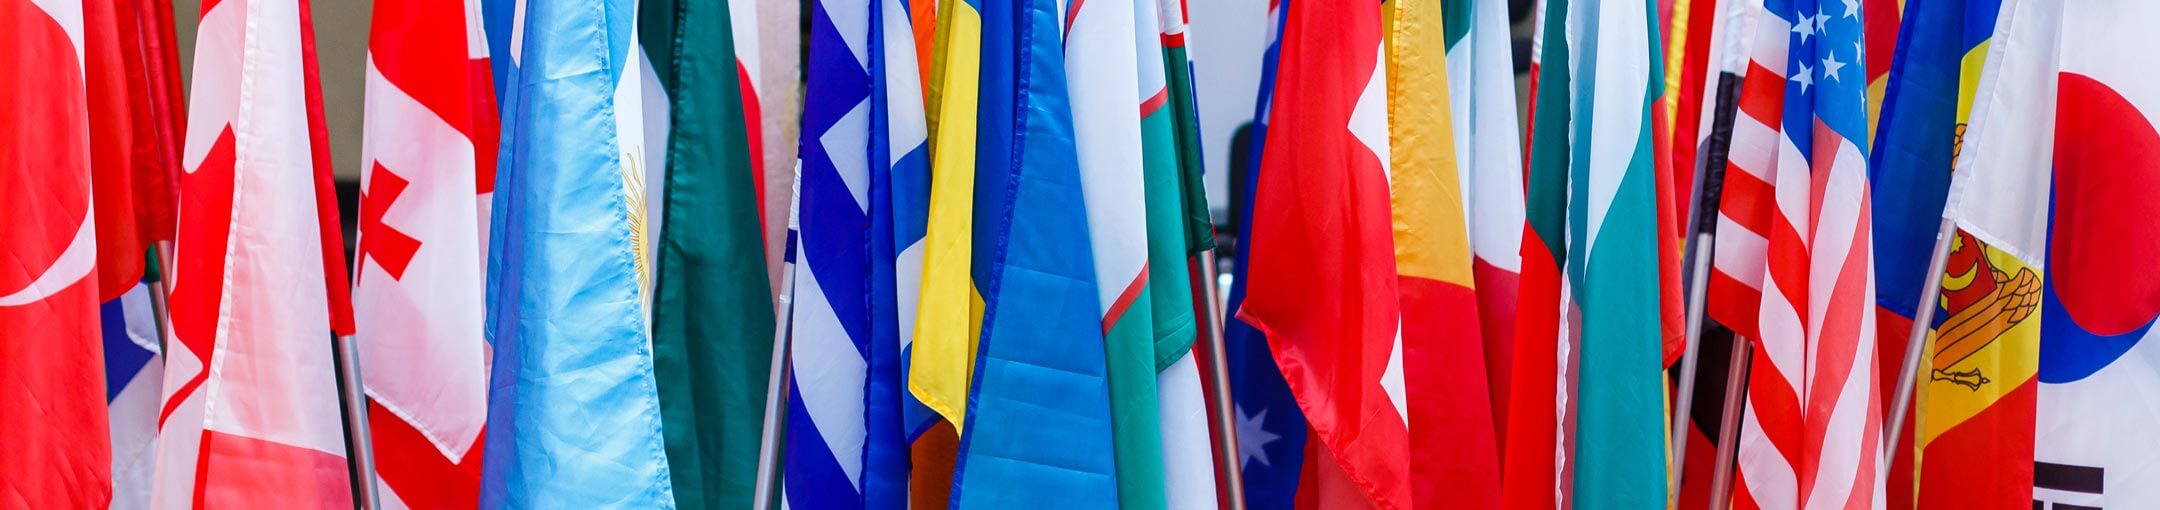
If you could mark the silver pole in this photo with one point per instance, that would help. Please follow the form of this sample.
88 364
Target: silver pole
1729 423
1923 321
1222 415
359 447
1684 394
776 386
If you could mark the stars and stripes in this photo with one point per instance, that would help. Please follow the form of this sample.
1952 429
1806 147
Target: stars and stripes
1812 430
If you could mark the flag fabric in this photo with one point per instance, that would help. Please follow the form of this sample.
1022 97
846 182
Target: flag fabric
250 414
1616 225
1812 428
1101 58
1977 397
1169 130
1271 431
1488 149
1455 461
1531 475
2096 363
1334 332
1040 375
712 314
133 370
1880 21
1746 190
50 291
1034 277
420 272
900 200
836 319
130 170
573 416
948 306
1925 99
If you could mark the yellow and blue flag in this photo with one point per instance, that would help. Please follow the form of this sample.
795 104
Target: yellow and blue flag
1038 420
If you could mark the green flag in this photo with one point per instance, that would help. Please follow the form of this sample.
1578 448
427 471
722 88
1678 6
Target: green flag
712 310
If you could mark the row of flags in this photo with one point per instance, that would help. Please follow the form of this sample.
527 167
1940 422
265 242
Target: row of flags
992 279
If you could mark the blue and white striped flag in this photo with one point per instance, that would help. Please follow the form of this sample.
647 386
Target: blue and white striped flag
862 194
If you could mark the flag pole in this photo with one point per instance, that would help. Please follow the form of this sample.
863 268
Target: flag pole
1923 321
1684 392
1222 414
1729 423
776 386
359 447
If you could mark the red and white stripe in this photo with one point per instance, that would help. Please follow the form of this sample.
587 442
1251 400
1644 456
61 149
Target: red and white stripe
250 416
425 174
1811 434
1744 207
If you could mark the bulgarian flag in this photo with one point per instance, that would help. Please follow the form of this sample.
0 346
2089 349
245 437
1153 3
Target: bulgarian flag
1530 473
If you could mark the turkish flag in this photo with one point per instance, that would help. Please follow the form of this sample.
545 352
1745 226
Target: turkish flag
52 377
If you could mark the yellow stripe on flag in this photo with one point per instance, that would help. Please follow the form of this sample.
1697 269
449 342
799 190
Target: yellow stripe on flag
1431 238
948 318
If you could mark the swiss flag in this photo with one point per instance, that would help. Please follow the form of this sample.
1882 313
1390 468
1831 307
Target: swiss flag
1322 280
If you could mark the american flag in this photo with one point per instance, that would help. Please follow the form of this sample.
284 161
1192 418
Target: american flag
1811 437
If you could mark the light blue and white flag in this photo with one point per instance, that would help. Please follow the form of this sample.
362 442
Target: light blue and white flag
573 414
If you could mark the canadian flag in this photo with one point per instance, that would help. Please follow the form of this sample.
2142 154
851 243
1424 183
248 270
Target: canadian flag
250 416
426 169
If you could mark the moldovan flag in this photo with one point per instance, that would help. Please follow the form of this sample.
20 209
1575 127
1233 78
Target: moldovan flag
429 153
573 416
1976 403
712 310
58 456
1322 284
1039 418
1456 461
251 410
1926 103
2099 349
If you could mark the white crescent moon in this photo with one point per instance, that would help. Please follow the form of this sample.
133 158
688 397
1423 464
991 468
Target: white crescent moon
72 265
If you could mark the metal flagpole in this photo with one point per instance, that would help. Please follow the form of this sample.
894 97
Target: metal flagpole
1222 414
776 386
1684 393
1923 321
1729 423
359 447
